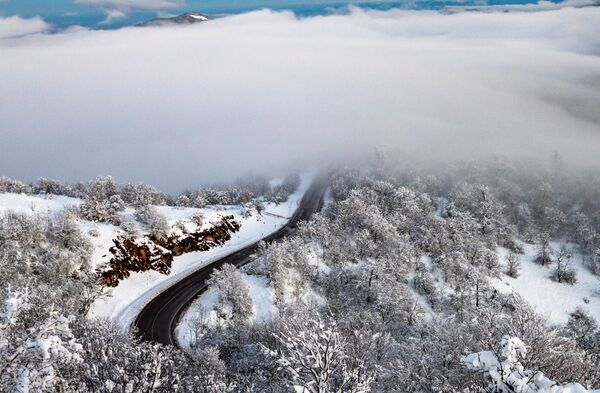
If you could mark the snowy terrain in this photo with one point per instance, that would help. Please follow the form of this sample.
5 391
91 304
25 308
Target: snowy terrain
550 298
123 302
202 311
36 203
53 204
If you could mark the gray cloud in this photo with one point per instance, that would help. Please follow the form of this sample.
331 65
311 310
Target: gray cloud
265 91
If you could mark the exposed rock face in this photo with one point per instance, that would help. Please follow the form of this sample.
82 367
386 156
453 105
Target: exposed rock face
140 255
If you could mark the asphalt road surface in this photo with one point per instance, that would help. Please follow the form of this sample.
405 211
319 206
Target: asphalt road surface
157 321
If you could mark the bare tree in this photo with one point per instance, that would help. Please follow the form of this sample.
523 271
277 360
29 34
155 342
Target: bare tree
513 265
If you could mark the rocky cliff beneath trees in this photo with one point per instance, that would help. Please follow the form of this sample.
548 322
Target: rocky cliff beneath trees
151 253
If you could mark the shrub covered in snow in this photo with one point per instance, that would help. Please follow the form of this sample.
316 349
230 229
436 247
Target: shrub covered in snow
54 187
14 186
32 355
565 272
102 202
156 224
235 303
141 194
507 374
584 328
315 356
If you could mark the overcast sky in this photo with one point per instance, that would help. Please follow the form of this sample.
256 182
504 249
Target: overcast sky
265 91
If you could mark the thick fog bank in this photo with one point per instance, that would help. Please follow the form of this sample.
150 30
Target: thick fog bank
265 91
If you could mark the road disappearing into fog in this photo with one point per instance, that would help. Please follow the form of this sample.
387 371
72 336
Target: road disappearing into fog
158 319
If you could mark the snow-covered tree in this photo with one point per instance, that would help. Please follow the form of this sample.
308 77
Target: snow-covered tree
584 328
565 272
507 375
235 303
156 224
313 354
544 256
141 194
35 358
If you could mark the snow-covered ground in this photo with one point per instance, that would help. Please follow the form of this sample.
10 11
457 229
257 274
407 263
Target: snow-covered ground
53 204
36 203
534 284
202 310
549 297
125 301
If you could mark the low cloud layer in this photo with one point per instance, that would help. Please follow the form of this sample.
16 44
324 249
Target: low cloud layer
178 106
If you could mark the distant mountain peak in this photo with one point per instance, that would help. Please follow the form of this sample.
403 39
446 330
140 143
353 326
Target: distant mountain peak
184 19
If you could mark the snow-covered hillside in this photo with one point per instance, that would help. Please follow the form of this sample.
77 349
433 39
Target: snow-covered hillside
552 299
103 233
123 301
203 313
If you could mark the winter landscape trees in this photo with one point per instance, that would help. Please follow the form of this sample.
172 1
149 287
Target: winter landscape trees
403 270
393 287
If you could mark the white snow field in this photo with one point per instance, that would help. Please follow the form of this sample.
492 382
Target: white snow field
550 298
36 203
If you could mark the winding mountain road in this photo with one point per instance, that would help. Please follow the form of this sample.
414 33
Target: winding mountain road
158 319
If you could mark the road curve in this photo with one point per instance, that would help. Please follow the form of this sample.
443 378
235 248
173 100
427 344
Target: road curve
158 319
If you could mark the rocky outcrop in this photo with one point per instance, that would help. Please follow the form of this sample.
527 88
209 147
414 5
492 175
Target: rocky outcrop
150 253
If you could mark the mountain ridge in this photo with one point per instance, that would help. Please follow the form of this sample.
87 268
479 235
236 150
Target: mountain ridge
187 18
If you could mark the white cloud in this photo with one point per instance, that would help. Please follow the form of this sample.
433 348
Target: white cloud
128 5
112 15
176 106
16 26
542 5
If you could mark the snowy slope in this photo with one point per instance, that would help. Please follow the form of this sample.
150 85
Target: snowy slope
53 204
203 309
263 302
122 303
36 203
550 298
125 301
